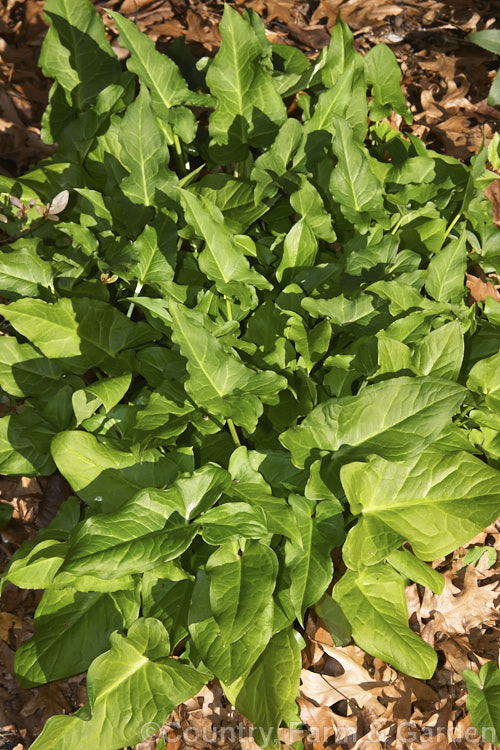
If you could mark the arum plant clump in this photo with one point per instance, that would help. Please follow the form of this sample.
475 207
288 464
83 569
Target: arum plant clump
245 342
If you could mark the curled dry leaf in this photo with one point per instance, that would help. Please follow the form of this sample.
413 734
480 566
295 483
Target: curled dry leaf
479 290
492 192
466 608
59 203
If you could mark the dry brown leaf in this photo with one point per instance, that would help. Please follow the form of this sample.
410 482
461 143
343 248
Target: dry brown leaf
50 699
352 685
8 621
461 610
492 192
479 290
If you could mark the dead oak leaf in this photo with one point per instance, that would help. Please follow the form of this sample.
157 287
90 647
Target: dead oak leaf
479 290
461 610
492 192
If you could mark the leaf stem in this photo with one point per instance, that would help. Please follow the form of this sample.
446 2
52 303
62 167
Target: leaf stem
137 291
450 227
180 156
234 434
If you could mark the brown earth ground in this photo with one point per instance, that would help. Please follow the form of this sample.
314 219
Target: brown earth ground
351 699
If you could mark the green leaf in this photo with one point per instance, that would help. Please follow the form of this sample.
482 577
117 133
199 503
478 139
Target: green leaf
162 77
241 586
79 333
483 700
309 564
220 259
34 565
373 600
474 554
23 273
375 420
411 567
383 74
64 618
106 392
128 683
352 182
192 494
335 620
231 521
488 39
307 202
441 352
219 381
166 595
312 344
103 476
484 378
273 163
299 250
152 264
436 501
24 371
266 695
136 538
445 280
340 55
144 153
228 661
249 108
76 51
24 444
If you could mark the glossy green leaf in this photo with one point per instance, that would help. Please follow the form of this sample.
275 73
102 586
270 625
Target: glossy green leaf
336 622
353 183
484 378
76 51
141 534
64 618
79 333
488 38
441 352
162 77
267 693
231 521
483 700
220 259
241 586
436 501
383 75
373 600
144 153
299 249
249 108
103 476
414 569
446 272
24 371
309 564
219 381
25 443
23 273
228 661
140 690
375 420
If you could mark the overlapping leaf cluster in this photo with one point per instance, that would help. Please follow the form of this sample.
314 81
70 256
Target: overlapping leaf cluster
245 343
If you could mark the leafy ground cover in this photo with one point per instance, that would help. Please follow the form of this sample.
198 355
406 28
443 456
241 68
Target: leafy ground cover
319 378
